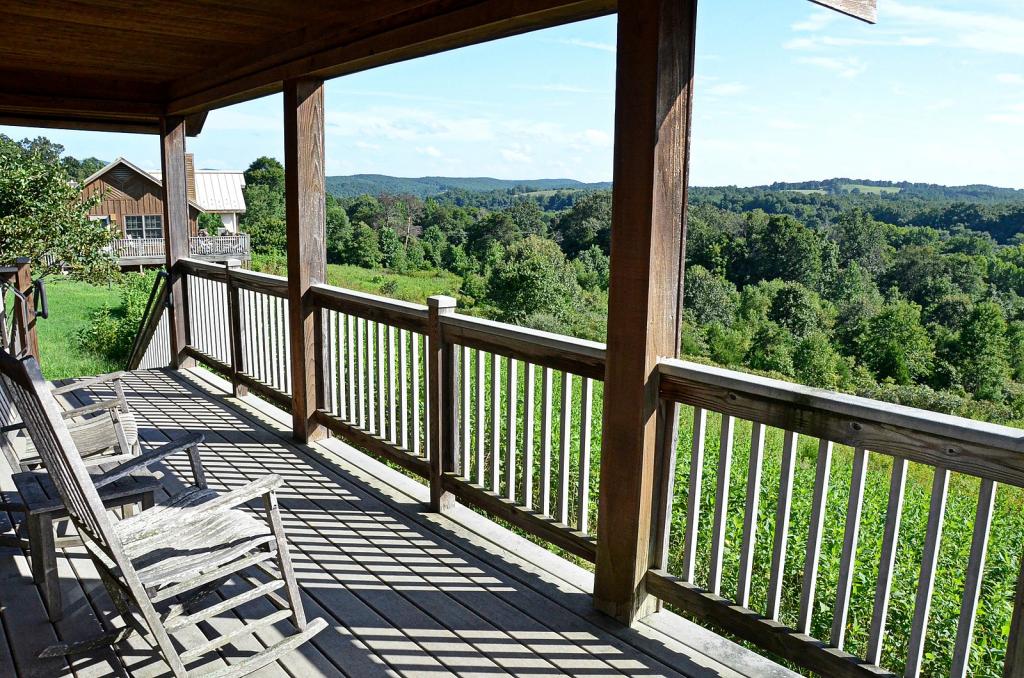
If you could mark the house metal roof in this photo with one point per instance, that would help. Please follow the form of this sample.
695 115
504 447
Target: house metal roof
217 190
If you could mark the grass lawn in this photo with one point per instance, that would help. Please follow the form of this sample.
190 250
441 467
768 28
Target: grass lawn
878 190
414 287
71 303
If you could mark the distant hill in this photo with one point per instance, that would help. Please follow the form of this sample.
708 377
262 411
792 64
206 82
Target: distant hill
906 189
425 187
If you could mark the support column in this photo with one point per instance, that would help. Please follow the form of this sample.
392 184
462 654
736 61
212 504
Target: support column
176 232
440 402
307 252
653 95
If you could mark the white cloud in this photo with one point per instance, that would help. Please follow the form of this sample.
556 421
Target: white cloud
516 154
590 44
726 89
1010 78
815 22
365 145
233 119
824 41
1013 115
571 89
970 30
846 67
432 151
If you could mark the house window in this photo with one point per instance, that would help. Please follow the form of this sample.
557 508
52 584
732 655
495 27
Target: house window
144 226
133 226
105 220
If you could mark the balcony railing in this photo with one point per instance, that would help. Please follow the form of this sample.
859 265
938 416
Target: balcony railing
209 248
523 433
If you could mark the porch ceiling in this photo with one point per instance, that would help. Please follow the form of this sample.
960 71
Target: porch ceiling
121 64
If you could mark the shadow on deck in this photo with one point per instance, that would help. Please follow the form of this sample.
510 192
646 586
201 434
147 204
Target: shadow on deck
405 592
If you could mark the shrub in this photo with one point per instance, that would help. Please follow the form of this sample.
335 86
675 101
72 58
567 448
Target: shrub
112 331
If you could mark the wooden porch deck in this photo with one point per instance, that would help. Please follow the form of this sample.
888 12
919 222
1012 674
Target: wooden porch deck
405 592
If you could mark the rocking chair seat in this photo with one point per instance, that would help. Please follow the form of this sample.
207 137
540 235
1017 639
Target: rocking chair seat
179 540
92 437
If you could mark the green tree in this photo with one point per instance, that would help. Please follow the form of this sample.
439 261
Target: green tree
392 254
43 217
587 224
709 299
266 171
771 349
264 218
533 278
339 231
817 363
895 345
365 250
799 310
593 268
784 248
983 350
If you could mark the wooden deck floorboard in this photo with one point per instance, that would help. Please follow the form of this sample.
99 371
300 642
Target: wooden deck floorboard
405 593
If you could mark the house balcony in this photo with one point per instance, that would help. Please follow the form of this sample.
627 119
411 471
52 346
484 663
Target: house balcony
152 251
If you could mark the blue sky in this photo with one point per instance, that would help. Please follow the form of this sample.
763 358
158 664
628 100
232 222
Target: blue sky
785 91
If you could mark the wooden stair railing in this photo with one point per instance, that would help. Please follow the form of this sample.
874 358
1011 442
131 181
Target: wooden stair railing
151 347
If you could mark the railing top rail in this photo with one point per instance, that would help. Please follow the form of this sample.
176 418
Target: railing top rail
557 351
204 268
266 283
959 444
403 314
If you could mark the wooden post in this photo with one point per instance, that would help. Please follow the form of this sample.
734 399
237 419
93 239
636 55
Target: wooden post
25 316
172 161
307 254
654 76
236 329
440 401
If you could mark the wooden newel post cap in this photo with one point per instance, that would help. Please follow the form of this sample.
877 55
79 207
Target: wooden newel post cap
233 263
441 302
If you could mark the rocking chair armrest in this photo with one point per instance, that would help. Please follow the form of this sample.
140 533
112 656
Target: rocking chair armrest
257 488
87 383
92 407
144 461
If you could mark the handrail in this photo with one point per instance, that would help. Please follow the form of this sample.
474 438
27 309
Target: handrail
557 351
964 445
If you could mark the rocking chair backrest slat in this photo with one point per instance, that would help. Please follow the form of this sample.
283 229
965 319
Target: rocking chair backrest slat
30 395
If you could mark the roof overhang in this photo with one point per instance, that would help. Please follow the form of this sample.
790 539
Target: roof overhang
184 59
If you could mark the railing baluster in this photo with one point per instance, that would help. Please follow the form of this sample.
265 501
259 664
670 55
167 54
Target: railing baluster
700 422
496 423
564 447
361 369
929 562
511 417
391 395
481 424
340 381
464 403
372 330
750 516
814 533
528 421
887 560
972 583
381 374
721 504
848 559
545 447
417 442
583 493
403 378
351 368
789 446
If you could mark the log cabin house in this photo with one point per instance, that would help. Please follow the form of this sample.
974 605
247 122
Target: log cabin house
132 203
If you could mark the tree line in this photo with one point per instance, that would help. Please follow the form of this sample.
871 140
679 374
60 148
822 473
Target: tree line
922 307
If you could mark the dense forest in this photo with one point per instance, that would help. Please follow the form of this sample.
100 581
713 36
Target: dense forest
911 293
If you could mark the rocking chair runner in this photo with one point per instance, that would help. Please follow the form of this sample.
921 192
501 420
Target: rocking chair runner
183 548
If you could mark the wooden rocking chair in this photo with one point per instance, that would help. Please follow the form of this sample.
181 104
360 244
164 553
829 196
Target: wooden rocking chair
103 431
183 548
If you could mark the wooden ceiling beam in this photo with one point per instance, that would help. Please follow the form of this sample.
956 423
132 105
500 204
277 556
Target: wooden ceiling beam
428 32
865 10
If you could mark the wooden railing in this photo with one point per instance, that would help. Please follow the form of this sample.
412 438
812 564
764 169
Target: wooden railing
152 346
692 547
520 409
18 300
738 542
200 247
